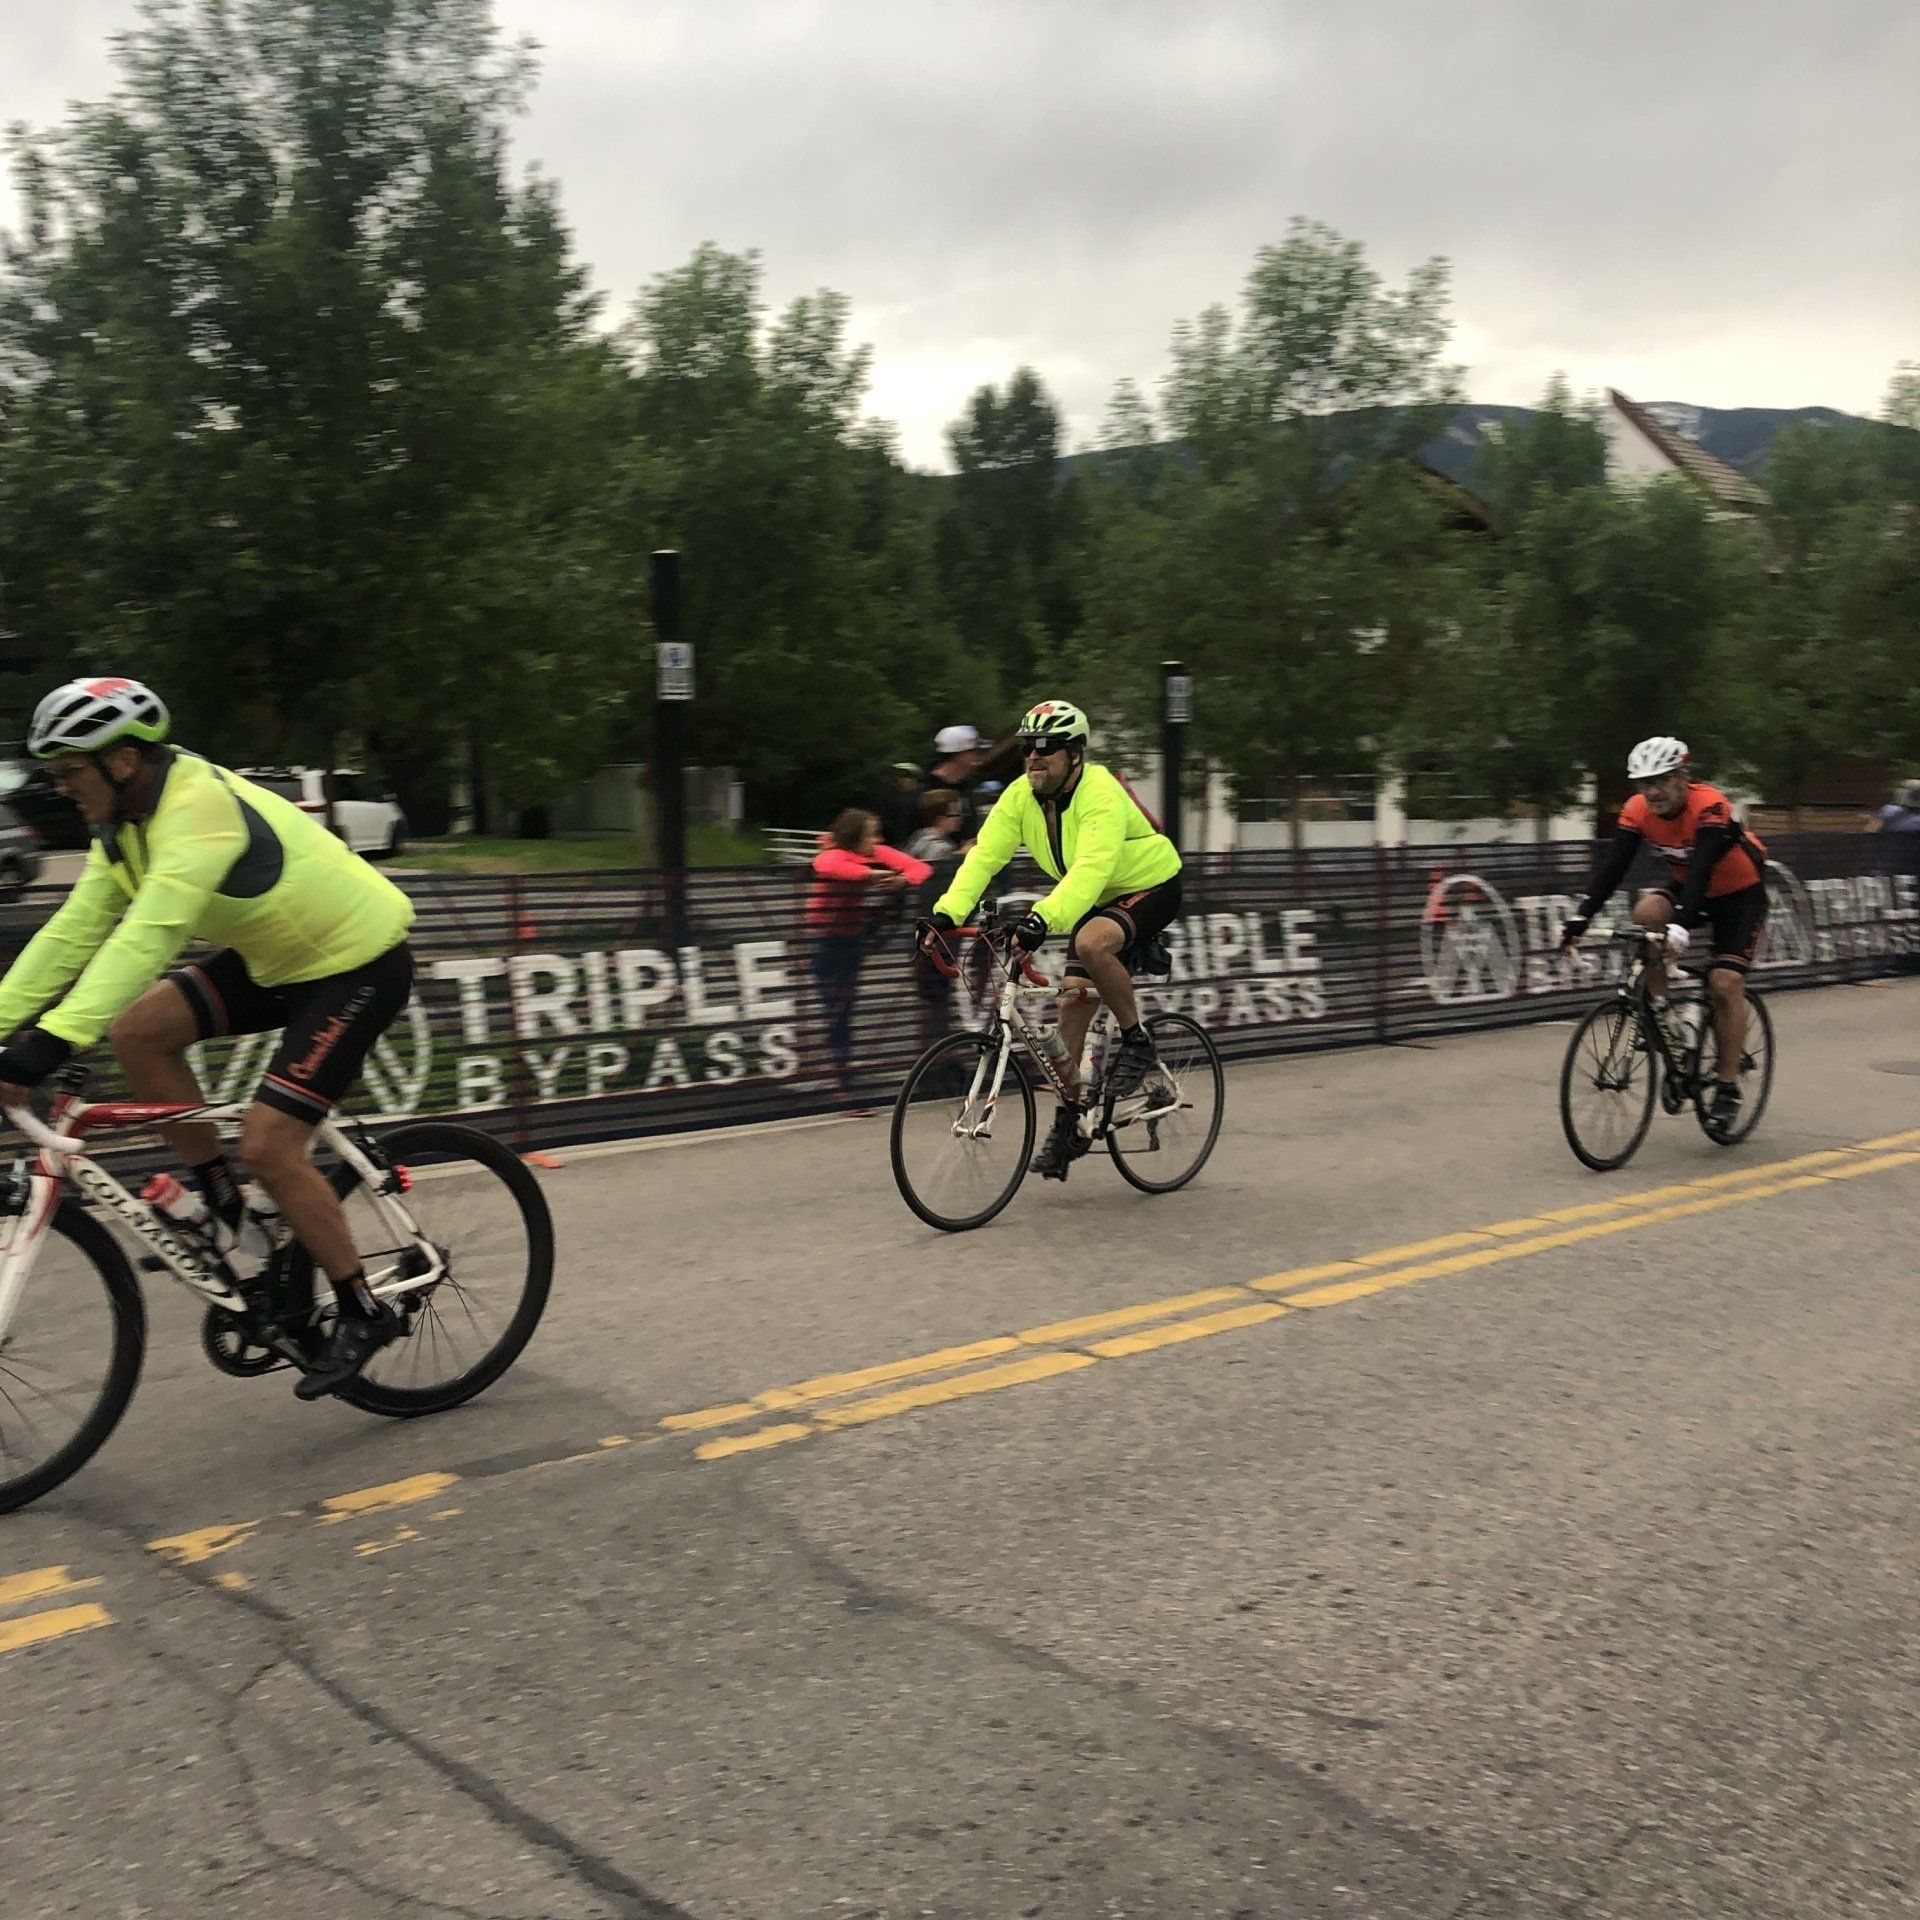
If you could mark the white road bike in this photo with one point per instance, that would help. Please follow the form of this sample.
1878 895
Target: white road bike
463 1253
964 1123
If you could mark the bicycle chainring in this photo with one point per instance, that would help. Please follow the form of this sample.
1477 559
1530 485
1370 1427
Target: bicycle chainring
234 1346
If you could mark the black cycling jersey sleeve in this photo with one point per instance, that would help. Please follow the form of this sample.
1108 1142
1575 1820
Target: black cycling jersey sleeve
1611 870
1711 845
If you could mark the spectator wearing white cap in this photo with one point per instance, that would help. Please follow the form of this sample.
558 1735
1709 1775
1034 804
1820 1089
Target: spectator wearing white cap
958 753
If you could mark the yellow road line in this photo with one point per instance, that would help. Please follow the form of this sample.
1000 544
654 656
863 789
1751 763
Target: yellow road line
395 1493
827 1386
37 1584
931 1393
834 1386
1197 1329
752 1442
38 1627
189 1549
1128 1316
1341 1281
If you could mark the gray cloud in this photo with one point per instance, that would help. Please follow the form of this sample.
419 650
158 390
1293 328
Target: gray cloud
1712 201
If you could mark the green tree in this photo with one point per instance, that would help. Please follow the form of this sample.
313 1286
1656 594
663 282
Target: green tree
1009 537
808 563
1823 659
300 391
1279 548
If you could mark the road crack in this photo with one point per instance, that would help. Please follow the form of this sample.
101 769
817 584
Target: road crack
1329 1799
630 1900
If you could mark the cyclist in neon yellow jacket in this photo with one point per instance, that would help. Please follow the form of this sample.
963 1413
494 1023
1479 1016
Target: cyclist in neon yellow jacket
311 940
1116 885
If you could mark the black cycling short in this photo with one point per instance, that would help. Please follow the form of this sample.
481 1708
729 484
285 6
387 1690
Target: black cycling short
331 1023
1736 919
1142 916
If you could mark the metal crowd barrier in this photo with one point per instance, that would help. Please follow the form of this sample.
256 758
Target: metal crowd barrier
569 1007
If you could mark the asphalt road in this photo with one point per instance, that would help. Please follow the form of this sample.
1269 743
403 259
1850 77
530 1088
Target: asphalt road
1530 1543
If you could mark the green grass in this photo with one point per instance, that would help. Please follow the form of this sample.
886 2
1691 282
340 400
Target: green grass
574 853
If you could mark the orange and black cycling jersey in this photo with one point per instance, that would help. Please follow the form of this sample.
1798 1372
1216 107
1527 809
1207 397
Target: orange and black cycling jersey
1707 851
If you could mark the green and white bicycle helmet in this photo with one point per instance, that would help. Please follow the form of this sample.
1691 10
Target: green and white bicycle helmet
1056 722
88 716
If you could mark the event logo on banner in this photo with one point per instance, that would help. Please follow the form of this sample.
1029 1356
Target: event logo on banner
1469 944
556 1026
396 1076
1477 947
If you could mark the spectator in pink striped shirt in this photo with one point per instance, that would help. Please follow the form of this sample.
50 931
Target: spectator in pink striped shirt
852 873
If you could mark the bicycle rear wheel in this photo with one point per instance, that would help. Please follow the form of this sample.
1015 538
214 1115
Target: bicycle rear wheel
482 1210
1164 1146
1607 1086
70 1357
1756 1075
956 1160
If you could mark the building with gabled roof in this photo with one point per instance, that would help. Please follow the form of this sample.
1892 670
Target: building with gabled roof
1642 447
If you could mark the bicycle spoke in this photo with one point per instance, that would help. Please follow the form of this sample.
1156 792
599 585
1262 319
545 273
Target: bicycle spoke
956 1159
478 1225
1607 1086
57 1367
1165 1144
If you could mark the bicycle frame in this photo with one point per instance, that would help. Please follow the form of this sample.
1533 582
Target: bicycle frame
63 1160
1633 990
1004 1021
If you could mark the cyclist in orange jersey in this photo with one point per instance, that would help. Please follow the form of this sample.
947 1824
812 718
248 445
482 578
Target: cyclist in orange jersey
1716 871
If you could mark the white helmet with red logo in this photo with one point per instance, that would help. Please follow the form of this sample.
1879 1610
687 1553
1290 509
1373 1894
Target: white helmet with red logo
1651 758
88 716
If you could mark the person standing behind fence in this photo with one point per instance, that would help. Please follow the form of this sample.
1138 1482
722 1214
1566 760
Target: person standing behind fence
938 844
1898 824
848 872
957 758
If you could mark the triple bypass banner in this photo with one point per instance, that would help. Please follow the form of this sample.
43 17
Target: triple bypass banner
597 1005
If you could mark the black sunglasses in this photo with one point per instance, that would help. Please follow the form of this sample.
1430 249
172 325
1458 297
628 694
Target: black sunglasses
1032 743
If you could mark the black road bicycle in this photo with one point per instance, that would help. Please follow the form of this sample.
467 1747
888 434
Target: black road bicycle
1620 1059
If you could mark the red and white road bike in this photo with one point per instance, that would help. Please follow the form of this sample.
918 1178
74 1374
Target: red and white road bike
452 1228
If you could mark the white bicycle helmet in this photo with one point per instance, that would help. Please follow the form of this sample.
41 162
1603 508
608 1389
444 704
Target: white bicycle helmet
88 716
1651 758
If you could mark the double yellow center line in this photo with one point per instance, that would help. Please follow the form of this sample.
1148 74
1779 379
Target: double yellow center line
836 1401
48 1623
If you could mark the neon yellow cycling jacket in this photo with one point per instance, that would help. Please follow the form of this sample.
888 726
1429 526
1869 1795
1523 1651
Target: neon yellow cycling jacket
1097 844
216 858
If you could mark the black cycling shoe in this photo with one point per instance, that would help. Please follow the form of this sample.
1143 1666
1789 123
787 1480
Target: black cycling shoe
1724 1115
352 1341
1061 1148
1135 1060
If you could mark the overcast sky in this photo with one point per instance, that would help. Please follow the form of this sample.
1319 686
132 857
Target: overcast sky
1689 200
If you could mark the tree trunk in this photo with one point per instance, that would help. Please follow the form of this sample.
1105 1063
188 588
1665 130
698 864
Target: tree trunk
1296 822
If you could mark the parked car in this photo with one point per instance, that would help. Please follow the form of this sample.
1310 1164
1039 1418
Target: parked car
365 816
29 790
19 854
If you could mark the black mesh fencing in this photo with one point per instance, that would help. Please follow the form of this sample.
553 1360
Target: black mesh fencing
585 1006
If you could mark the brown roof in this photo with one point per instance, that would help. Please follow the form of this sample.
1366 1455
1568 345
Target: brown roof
1726 484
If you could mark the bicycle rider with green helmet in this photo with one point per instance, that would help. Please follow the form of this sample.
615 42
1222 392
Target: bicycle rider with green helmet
1116 885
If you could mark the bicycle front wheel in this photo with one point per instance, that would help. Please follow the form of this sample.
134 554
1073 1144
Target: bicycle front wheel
959 1154
1163 1147
482 1213
1756 1075
1607 1086
69 1357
